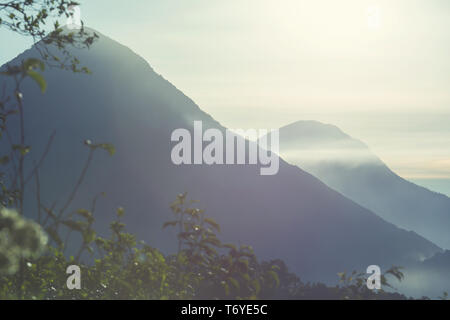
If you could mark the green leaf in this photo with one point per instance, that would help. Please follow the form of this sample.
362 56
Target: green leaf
120 212
225 287
212 223
108 147
234 283
274 277
170 223
212 240
33 63
85 214
39 79
256 286
74 225
341 276
89 236
23 149
230 246
4 160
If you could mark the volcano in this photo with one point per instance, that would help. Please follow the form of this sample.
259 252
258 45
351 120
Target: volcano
291 215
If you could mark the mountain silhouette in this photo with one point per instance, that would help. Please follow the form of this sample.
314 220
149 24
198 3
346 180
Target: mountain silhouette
348 166
291 215
427 278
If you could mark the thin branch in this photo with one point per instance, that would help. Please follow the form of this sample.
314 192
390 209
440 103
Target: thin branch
38 195
13 160
47 210
79 182
41 160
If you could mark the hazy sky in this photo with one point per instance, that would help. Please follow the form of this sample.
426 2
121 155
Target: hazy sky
380 70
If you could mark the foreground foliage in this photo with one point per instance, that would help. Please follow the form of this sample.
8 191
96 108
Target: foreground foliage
120 267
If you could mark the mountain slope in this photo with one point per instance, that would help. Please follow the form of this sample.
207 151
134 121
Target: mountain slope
348 166
291 215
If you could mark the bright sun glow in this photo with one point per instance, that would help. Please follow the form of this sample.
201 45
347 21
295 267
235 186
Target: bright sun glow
374 17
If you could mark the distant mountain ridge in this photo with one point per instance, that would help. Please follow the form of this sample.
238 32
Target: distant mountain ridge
291 215
348 166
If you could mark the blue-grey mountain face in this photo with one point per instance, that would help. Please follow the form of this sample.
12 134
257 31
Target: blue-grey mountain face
291 215
429 278
347 165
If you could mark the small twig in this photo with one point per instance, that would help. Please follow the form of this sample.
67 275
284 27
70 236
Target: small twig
41 160
47 210
38 195
18 82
